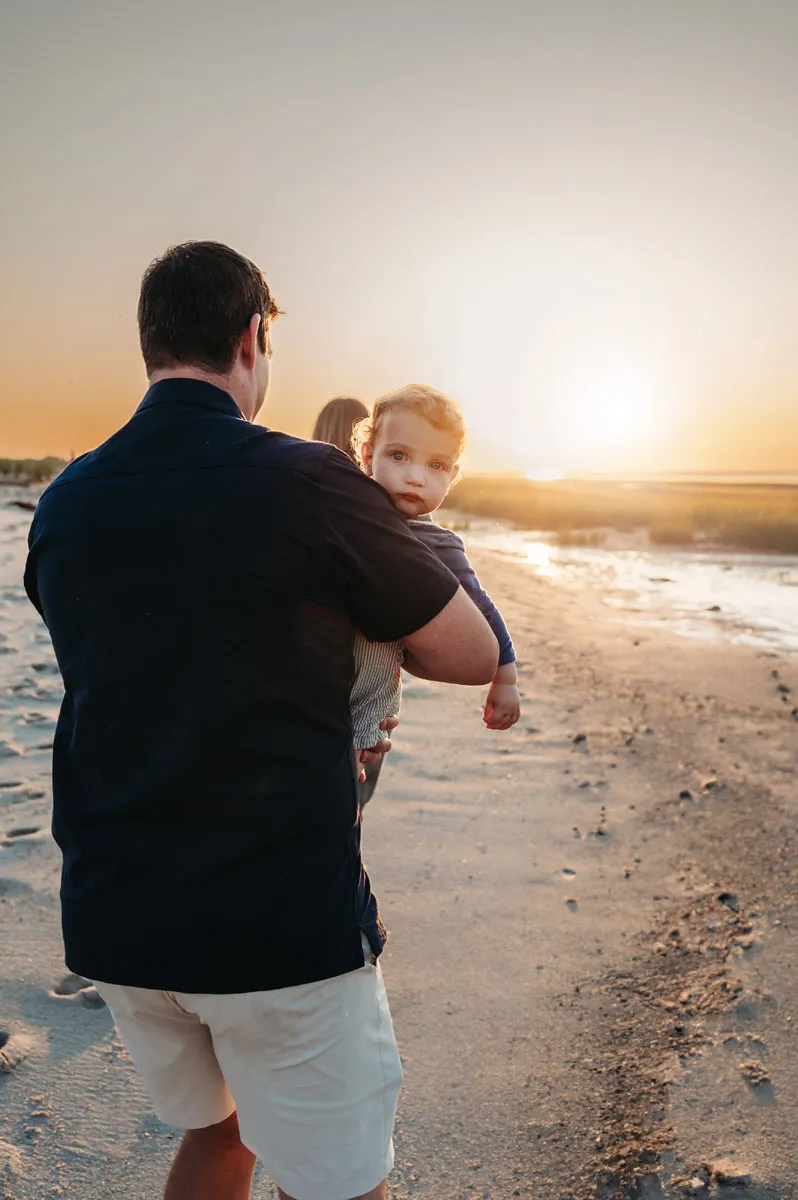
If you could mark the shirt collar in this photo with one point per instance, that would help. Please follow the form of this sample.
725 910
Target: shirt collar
190 391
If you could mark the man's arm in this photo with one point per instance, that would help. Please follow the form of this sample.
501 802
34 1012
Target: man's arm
452 553
395 588
456 646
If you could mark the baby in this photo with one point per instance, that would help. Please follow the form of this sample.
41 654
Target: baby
411 445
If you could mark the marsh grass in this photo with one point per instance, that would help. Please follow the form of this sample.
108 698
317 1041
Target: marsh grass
29 470
742 516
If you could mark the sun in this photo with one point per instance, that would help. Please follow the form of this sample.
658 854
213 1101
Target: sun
604 419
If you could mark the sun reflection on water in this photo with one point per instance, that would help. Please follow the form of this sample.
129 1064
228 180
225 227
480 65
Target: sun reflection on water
539 556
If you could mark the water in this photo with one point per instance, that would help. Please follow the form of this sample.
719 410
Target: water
744 598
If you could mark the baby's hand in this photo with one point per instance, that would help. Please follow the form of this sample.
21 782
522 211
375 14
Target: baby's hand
503 706
364 757
361 766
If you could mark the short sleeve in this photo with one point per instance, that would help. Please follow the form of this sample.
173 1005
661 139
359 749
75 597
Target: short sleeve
392 583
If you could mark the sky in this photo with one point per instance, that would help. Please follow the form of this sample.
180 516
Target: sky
579 219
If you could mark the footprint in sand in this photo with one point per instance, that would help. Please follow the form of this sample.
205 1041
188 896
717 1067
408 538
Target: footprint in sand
11 888
71 984
77 988
14 1048
22 841
12 1161
37 718
91 998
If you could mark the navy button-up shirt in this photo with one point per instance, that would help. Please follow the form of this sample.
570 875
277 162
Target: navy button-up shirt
201 578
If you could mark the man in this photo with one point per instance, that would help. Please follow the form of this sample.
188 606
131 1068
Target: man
202 578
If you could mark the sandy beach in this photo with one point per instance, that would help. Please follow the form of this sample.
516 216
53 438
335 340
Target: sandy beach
593 918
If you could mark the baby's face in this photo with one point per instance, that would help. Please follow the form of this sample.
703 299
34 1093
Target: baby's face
415 462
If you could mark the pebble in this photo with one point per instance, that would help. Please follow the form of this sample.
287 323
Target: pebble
726 1170
754 1074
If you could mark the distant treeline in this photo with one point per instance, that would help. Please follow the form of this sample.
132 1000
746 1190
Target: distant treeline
29 470
743 516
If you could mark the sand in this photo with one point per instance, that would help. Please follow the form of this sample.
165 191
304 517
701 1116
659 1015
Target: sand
591 972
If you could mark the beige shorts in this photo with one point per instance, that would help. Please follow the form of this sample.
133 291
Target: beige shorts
313 1072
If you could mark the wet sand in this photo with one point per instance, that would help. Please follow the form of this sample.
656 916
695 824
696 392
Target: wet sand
591 971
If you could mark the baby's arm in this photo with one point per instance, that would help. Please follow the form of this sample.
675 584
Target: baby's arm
376 690
503 704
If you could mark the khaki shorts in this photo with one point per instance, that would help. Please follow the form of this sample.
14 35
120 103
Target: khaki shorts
313 1072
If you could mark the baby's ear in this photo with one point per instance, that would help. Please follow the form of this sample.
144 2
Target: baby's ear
455 474
367 457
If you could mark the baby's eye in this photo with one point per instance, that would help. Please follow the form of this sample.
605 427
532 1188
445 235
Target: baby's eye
397 455
436 466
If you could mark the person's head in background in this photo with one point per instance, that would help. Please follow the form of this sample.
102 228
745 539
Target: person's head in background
411 444
336 421
205 312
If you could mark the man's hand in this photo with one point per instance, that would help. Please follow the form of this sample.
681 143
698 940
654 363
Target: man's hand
375 753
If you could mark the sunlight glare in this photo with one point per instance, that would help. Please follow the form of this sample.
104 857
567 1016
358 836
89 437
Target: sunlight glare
544 474
539 556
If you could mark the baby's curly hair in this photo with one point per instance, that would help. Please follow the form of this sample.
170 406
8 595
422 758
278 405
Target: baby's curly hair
434 406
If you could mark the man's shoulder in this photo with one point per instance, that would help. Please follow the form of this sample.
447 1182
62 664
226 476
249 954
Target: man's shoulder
241 445
282 450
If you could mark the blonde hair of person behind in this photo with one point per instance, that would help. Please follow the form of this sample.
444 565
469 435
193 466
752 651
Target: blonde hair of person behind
436 407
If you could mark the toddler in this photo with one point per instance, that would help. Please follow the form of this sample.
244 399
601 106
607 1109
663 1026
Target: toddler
411 445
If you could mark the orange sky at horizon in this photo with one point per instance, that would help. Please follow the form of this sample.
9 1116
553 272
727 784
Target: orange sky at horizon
578 220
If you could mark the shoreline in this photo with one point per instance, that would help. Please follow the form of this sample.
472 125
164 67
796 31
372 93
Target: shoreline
732 514
606 537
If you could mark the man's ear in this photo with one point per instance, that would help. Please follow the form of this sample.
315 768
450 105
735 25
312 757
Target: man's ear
249 342
367 457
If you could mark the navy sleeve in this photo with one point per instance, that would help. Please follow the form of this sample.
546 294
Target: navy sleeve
451 552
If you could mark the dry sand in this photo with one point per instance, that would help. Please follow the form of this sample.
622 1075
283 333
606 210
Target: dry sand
591 971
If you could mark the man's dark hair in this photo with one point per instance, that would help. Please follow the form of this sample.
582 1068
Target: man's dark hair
196 301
